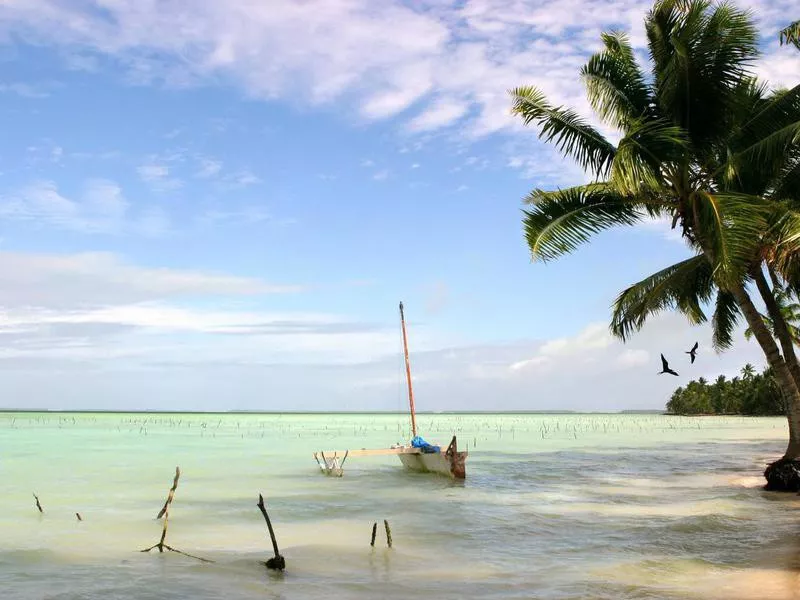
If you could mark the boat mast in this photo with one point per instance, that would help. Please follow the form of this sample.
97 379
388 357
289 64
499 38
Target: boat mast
408 374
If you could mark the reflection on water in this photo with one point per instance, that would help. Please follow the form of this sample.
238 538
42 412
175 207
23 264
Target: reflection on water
554 506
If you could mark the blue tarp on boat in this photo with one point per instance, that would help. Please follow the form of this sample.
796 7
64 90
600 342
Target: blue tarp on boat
427 448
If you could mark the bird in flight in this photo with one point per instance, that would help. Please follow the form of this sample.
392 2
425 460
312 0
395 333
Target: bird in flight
693 352
665 367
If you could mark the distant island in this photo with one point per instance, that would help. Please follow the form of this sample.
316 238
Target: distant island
755 394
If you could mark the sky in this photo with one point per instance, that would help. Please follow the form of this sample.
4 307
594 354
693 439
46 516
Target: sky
218 206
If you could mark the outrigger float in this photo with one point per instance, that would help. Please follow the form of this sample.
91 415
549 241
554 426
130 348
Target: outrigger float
419 455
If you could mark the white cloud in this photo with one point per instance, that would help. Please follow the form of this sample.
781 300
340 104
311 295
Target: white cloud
663 227
380 57
238 179
248 215
381 175
443 112
462 188
208 168
65 282
415 166
152 172
633 358
25 90
157 176
74 314
246 178
101 208
367 163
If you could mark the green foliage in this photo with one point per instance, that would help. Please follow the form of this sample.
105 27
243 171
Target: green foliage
791 35
560 221
701 142
790 310
751 394
683 286
564 128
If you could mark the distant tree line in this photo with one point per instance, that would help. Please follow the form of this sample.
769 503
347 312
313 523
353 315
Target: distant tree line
751 394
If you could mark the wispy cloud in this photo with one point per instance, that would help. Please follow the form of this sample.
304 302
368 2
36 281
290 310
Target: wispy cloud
247 215
208 168
390 57
157 176
25 90
238 179
663 227
381 175
367 163
101 208
65 282
443 112
430 65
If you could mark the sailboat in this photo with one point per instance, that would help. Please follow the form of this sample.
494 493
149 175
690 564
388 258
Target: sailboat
418 455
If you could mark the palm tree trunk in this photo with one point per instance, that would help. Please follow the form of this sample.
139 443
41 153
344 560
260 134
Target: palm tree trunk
778 323
783 375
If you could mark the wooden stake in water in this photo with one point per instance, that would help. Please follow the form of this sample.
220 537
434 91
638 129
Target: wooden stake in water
171 494
277 562
38 505
388 533
161 544
79 516
374 532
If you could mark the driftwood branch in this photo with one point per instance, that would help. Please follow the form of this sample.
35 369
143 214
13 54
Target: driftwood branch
277 562
171 494
161 544
38 505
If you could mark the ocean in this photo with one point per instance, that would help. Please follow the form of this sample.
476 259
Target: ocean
555 506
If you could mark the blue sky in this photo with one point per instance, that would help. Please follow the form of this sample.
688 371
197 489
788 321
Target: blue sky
221 207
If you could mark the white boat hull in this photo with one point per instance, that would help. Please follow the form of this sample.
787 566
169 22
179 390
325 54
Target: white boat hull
427 463
450 463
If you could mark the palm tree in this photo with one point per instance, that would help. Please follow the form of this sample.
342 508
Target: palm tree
791 35
790 310
702 143
748 372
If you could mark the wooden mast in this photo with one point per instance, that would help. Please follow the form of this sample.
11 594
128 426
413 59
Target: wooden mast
408 374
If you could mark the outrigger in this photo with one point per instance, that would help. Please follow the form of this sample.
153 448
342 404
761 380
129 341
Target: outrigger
419 455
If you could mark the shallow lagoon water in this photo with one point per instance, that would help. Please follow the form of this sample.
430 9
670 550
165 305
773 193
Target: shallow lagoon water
554 506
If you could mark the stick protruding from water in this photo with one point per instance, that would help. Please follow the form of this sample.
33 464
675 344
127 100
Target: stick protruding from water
171 494
388 533
161 544
277 562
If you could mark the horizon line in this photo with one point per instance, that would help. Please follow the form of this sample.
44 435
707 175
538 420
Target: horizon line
321 412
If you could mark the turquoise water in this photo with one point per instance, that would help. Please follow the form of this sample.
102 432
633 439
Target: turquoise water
554 506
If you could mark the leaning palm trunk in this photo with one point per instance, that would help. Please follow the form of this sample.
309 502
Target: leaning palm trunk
790 358
779 325
783 375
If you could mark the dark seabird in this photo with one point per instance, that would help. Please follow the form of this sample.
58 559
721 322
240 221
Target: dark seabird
693 352
665 367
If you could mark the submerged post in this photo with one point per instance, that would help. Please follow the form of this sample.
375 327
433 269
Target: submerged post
374 532
38 505
171 494
388 533
277 562
161 544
